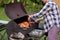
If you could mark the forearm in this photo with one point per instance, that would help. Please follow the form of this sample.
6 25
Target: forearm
43 11
40 19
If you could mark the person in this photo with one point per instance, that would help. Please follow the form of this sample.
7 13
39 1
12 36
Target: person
51 17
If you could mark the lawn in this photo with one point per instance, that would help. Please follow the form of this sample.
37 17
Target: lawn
3 34
3 15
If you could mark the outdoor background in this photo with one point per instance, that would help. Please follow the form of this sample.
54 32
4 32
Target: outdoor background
31 6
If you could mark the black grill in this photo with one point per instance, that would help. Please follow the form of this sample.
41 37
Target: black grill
17 14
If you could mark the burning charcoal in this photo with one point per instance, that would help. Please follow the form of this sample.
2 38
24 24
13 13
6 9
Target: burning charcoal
24 25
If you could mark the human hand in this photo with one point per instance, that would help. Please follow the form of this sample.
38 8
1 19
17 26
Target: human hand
29 18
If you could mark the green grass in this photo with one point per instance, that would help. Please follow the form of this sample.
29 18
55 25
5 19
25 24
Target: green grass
3 15
3 35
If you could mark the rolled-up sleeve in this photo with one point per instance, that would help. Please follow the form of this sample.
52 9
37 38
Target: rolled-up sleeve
44 10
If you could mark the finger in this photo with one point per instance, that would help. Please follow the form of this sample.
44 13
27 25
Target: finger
29 18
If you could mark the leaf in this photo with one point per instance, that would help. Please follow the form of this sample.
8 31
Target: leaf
6 1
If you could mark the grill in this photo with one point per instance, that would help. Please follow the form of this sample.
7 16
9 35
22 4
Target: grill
17 14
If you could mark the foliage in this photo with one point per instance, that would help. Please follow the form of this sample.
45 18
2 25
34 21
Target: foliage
3 15
32 6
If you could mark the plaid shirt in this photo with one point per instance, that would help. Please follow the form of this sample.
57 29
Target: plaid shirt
51 15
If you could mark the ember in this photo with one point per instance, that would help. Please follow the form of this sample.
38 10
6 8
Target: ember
24 24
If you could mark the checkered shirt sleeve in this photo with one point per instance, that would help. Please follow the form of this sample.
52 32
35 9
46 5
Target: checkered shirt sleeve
51 15
45 9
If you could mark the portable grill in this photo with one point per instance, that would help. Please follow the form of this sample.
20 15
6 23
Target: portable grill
17 14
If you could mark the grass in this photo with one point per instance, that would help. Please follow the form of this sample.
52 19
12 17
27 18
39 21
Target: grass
3 34
3 15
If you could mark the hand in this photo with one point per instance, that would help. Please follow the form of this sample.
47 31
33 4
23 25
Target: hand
29 18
